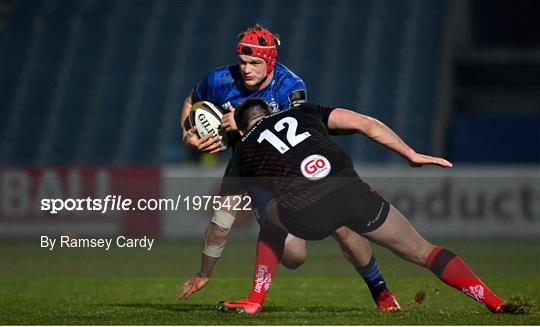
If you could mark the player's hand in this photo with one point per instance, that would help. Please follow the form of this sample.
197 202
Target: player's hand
191 137
194 284
418 160
227 121
207 143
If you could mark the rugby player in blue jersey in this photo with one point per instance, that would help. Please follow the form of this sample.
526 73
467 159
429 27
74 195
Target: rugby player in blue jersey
258 74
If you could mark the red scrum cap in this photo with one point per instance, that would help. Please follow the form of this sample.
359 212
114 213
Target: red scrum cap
259 42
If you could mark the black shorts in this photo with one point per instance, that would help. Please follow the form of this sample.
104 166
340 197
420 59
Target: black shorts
355 205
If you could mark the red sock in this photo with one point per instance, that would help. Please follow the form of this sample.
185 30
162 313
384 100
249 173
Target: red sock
269 251
454 272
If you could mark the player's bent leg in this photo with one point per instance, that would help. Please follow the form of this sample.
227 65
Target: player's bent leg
272 215
269 252
355 248
358 252
294 253
398 235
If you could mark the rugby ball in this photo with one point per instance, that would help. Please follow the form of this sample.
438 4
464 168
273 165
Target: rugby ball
206 117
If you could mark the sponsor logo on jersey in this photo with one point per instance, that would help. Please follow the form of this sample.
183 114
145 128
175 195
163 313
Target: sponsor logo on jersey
315 167
274 105
226 106
297 98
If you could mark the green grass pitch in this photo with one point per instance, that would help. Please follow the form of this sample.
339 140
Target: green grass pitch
133 287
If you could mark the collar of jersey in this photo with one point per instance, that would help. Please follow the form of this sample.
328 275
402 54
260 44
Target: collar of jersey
260 121
254 127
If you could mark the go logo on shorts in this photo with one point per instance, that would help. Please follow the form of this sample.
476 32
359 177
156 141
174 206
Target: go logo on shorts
315 167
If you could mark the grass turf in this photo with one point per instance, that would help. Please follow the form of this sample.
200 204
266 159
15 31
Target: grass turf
91 286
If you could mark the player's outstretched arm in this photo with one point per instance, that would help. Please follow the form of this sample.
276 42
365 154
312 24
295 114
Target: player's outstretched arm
215 239
349 121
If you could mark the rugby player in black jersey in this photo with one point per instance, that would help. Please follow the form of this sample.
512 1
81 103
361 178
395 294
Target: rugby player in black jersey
258 74
316 190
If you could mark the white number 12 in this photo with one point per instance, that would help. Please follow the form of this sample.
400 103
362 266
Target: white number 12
292 138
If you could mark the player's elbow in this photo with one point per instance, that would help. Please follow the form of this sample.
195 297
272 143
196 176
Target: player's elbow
293 259
293 263
189 99
187 102
184 117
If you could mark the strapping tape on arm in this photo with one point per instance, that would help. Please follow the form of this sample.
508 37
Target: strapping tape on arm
212 250
223 219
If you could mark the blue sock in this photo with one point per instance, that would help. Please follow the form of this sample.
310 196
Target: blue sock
373 278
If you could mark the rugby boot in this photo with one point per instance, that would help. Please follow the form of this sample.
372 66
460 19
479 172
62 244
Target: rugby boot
239 306
518 306
387 302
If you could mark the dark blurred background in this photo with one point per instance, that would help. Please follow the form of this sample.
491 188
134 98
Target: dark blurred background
85 83
90 98
91 93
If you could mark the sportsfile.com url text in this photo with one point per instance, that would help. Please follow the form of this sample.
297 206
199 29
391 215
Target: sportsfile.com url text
120 203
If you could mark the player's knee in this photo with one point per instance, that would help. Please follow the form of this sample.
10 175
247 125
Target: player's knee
293 260
294 253
349 242
341 235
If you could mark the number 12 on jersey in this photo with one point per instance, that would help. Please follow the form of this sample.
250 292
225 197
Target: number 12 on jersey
292 138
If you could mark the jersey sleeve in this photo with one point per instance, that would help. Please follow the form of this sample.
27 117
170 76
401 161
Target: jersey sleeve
321 112
324 112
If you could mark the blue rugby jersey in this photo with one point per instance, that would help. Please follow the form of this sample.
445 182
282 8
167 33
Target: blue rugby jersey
224 85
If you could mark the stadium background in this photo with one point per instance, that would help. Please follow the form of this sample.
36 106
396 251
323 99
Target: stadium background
91 92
